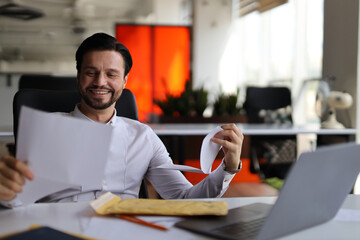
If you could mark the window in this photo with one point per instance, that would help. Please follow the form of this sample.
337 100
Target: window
282 45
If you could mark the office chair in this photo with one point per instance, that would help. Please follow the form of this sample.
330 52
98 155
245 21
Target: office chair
270 156
65 101
48 82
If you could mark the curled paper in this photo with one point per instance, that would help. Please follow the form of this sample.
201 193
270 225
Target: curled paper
209 151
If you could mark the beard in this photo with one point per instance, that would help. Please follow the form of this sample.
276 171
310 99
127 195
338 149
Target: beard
98 104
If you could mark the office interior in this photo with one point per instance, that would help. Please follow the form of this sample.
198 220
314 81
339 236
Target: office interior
295 44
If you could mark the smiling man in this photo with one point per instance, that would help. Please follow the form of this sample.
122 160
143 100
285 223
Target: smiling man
103 66
102 75
100 85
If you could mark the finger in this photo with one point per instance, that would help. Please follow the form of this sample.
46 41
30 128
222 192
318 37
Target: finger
233 127
224 143
9 161
24 170
18 166
10 185
6 194
230 135
12 175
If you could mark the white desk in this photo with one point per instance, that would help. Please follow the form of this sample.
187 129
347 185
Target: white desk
191 129
180 129
68 217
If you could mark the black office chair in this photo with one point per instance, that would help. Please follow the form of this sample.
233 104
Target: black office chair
48 82
65 101
270 156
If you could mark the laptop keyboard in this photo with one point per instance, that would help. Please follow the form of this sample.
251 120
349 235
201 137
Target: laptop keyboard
241 230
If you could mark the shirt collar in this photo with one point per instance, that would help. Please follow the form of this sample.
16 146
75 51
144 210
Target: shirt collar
77 113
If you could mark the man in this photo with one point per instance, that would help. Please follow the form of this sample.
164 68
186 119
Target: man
103 66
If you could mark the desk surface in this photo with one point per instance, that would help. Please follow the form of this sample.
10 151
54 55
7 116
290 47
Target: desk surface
71 216
202 129
247 129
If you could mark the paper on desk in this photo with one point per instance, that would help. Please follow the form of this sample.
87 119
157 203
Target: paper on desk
165 221
115 228
209 151
62 151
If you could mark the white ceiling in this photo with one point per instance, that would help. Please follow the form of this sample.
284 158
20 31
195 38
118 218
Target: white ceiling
64 25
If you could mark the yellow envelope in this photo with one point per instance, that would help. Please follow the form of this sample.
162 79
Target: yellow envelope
109 203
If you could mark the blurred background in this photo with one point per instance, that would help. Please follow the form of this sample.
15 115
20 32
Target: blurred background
219 45
193 59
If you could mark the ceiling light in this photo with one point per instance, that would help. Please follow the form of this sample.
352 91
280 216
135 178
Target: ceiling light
20 12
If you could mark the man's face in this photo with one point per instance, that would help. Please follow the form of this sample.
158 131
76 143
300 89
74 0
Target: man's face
101 78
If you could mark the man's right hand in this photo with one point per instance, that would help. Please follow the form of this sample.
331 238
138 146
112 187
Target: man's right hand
13 174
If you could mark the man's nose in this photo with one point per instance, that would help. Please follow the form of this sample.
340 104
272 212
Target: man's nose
100 80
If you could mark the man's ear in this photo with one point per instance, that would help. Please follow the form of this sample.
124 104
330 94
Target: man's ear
125 80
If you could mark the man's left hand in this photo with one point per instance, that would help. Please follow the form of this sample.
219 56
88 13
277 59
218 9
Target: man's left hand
231 139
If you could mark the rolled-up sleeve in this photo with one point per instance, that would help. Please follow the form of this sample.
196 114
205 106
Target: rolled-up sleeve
172 184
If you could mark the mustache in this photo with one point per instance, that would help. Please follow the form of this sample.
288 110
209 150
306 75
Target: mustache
99 88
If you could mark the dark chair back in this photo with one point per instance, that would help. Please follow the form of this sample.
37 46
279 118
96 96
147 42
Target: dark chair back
125 106
48 82
65 101
265 98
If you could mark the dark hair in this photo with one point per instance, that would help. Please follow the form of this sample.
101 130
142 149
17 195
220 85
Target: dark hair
101 42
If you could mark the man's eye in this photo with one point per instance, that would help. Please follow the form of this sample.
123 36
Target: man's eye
91 74
111 75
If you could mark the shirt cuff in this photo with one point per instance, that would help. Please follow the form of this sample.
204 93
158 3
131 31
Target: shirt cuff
220 175
232 171
15 202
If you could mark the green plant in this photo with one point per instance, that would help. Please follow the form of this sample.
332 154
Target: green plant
189 103
200 100
227 104
220 105
167 106
185 102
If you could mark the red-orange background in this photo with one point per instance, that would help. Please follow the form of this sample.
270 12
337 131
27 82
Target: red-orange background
161 62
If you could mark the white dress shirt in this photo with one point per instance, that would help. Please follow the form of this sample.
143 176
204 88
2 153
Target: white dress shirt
135 153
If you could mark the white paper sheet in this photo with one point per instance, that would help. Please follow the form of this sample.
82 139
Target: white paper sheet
209 151
62 151
109 228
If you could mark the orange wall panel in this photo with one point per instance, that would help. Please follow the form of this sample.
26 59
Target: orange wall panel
139 81
161 62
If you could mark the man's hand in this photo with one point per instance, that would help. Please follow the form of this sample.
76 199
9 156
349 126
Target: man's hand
231 139
12 177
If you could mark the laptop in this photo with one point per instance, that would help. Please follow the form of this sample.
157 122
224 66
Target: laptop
314 190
